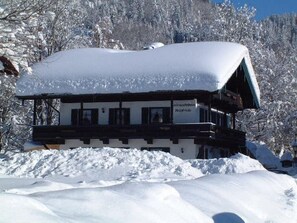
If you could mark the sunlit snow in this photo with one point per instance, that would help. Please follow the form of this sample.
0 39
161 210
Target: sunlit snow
128 185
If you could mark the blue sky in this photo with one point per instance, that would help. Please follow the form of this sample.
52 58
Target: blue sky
266 8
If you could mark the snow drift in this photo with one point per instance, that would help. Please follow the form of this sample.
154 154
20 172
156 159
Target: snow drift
120 185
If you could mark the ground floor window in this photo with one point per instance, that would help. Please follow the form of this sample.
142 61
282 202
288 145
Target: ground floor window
84 116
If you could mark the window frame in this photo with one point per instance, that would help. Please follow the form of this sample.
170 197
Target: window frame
77 117
114 117
147 115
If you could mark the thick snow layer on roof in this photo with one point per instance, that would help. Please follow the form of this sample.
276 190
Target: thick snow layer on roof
188 66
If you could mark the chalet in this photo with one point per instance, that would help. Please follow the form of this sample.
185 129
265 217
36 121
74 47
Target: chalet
179 98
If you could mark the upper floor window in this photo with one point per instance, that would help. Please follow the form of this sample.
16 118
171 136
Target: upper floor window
155 115
84 116
203 115
119 116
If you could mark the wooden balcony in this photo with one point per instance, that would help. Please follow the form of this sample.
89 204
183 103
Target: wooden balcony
203 133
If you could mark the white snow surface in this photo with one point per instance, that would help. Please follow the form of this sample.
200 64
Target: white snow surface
187 66
120 185
265 155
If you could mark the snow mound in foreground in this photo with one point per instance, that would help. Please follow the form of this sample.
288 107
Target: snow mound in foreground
109 164
235 164
100 163
75 189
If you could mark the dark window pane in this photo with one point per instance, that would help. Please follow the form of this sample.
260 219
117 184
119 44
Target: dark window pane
203 115
112 116
94 116
126 116
119 116
86 117
166 115
74 117
145 116
156 115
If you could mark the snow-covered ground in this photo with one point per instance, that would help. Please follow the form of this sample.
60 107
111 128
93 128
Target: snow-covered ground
120 185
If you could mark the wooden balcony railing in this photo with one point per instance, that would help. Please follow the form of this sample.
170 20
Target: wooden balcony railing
199 132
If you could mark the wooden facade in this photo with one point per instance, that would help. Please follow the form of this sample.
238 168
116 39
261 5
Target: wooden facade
205 133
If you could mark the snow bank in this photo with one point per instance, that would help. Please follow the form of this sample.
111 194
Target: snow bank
132 186
265 156
101 163
254 197
235 164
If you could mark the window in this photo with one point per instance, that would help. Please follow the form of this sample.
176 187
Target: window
84 116
155 115
119 116
203 115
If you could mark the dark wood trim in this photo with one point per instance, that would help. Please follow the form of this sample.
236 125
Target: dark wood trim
34 112
120 115
86 141
225 101
203 133
233 120
104 141
209 110
174 140
141 96
171 111
149 140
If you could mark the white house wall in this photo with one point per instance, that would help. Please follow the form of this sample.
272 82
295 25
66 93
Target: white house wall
184 111
65 112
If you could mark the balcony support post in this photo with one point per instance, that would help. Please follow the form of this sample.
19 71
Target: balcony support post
171 111
233 120
121 110
34 112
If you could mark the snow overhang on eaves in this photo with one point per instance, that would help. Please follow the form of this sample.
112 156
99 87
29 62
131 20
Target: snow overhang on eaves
205 66
251 79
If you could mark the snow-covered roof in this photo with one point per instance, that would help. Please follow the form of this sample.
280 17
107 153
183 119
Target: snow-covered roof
187 66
